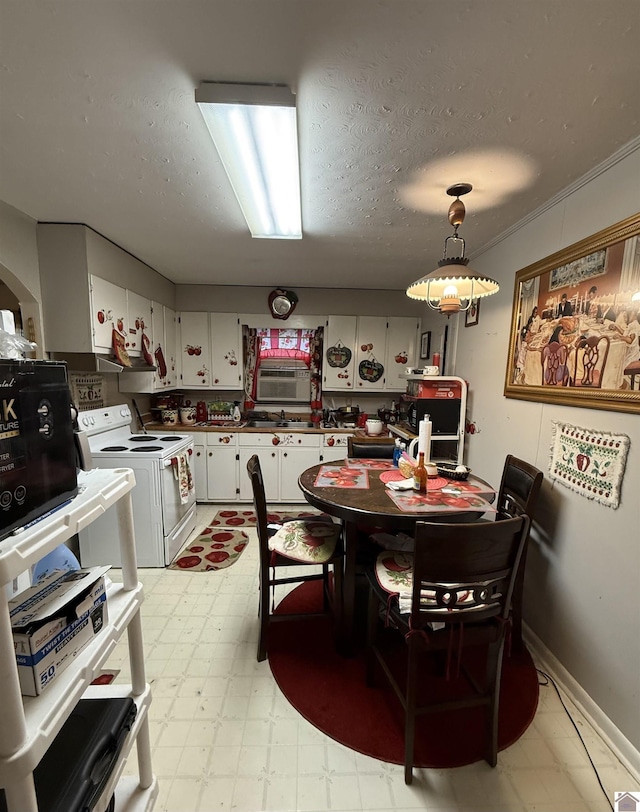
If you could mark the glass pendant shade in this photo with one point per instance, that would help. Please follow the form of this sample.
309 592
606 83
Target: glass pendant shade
453 282
467 282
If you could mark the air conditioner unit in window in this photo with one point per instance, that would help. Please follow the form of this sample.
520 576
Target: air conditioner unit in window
281 384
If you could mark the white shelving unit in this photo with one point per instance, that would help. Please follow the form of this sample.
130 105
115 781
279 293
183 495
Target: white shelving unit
28 725
451 444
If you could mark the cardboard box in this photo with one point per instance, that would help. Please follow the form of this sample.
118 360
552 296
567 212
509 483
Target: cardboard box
53 621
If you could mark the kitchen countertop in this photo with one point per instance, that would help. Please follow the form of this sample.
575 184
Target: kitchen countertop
242 427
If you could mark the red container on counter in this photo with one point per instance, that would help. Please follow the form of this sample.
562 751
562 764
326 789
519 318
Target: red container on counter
201 412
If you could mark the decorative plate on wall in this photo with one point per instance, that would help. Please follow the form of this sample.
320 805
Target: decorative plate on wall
370 370
338 356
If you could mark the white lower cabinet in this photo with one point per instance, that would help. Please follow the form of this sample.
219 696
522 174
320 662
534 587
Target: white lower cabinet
283 457
199 462
30 724
220 462
222 467
334 447
215 465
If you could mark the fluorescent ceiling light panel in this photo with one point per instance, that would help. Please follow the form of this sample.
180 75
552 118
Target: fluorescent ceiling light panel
254 129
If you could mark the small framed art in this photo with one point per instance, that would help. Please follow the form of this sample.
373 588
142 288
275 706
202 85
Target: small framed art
425 345
472 315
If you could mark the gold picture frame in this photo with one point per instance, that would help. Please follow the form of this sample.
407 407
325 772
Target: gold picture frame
575 326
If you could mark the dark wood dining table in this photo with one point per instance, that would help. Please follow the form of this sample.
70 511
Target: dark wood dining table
372 507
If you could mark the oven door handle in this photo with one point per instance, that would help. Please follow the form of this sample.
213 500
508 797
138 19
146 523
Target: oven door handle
174 460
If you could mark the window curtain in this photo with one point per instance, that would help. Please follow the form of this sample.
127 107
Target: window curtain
250 351
282 343
315 368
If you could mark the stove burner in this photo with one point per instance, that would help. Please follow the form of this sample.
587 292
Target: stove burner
168 439
141 438
147 448
114 448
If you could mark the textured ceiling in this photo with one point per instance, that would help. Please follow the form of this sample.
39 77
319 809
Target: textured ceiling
396 101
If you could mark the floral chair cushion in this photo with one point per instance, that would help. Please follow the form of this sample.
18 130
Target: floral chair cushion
394 573
306 540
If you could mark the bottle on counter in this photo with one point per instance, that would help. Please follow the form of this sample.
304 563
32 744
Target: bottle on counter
420 475
397 451
236 412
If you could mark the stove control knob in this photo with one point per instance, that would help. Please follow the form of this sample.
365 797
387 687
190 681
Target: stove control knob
85 421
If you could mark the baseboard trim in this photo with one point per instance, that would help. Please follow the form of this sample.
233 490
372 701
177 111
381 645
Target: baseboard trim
616 741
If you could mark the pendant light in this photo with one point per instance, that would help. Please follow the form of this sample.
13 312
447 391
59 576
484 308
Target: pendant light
452 282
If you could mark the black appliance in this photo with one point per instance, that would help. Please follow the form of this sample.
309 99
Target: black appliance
37 450
73 772
438 397
443 414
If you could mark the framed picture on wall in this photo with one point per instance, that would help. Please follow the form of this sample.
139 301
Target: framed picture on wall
425 345
575 324
472 315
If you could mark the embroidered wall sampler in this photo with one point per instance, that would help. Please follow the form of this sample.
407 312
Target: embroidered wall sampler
589 462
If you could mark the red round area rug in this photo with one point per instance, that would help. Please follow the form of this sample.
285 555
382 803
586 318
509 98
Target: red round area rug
330 691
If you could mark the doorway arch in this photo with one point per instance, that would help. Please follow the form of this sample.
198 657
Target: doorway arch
28 305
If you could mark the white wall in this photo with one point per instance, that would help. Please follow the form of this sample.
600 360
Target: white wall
19 252
19 268
583 571
311 301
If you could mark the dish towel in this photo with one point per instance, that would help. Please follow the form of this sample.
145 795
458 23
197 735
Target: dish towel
182 473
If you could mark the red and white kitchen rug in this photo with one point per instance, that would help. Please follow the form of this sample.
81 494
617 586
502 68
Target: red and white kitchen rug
214 549
247 518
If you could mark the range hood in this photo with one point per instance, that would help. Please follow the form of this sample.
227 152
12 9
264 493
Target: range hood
92 362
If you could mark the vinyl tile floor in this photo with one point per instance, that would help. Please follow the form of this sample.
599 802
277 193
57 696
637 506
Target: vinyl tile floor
224 737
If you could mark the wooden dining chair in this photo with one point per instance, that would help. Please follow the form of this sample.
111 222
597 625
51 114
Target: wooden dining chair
518 495
311 541
373 448
461 578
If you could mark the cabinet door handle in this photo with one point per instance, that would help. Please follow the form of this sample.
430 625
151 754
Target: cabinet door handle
211 453
285 454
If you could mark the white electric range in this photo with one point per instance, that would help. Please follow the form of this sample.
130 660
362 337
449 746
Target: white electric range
164 508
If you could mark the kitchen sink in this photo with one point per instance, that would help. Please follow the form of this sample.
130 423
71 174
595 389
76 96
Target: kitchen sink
280 424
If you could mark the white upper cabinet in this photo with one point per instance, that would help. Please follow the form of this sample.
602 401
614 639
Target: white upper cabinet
402 343
339 353
89 286
170 348
138 324
108 310
210 350
195 350
226 351
368 353
161 332
371 343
